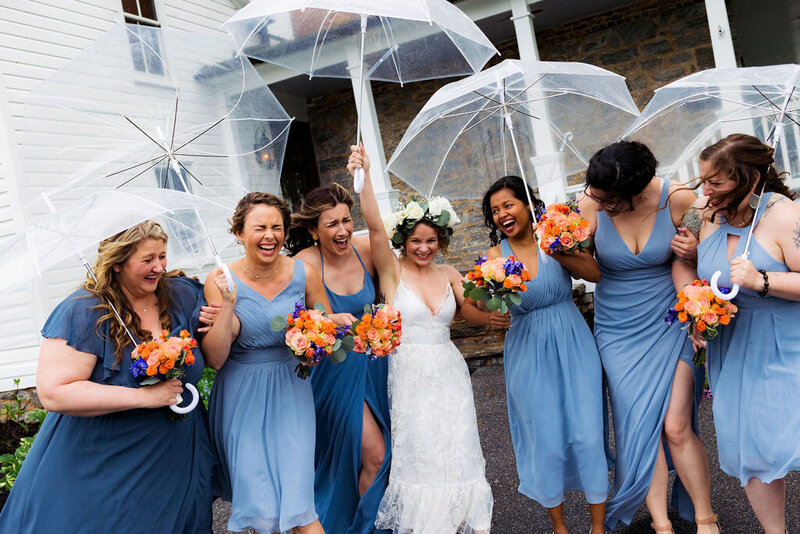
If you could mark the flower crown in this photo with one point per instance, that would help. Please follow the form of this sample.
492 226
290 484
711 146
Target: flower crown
435 210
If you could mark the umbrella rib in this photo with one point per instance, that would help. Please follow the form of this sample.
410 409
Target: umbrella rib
314 54
202 133
489 116
776 106
453 142
141 173
134 166
185 168
461 113
143 132
392 48
524 90
174 124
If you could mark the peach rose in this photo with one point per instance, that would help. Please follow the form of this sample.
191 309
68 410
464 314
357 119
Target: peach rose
693 307
710 318
372 335
581 233
360 346
298 344
567 241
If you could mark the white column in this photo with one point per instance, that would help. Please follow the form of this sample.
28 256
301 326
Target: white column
548 162
523 27
373 144
720 29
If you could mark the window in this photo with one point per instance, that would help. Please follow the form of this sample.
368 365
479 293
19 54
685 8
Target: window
145 48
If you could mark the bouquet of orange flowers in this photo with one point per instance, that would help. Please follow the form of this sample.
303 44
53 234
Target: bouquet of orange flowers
497 282
164 358
379 330
311 336
702 312
562 228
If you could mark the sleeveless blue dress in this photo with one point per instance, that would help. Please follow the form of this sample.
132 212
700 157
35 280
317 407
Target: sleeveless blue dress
554 388
340 391
754 369
640 352
100 474
262 419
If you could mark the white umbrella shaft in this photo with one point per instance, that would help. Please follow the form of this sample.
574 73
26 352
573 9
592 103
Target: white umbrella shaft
358 175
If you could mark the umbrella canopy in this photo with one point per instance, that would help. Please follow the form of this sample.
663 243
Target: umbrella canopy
402 41
516 117
153 107
689 114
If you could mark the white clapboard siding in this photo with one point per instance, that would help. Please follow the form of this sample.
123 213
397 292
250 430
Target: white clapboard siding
36 39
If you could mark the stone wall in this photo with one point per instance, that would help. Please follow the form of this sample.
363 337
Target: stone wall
650 42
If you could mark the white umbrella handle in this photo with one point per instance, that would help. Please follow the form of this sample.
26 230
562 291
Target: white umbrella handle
358 180
226 271
191 406
719 294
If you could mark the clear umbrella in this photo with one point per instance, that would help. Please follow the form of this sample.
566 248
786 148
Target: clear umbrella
690 114
385 40
51 241
543 120
153 107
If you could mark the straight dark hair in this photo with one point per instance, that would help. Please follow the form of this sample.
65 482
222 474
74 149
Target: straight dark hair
517 186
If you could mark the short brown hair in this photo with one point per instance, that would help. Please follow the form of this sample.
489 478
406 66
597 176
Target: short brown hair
249 201
314 204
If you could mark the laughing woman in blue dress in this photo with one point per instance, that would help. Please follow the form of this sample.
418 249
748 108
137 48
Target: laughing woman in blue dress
108 457
554 380
653 383
353 432
261 413
754 364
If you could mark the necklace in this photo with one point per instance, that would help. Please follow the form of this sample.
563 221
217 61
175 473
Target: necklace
260 276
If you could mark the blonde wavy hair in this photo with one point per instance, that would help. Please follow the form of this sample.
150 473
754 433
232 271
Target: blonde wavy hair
115 251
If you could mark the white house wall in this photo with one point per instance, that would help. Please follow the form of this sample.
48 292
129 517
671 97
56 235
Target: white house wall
37 39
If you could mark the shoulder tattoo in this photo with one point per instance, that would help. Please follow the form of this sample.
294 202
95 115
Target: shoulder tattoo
796 237
777 200
693 221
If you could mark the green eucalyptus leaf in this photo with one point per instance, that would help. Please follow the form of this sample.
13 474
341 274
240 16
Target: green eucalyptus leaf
319 307
494 303
348 343
477 294
397 238
515 298
337 356
443 218
150 380
278 323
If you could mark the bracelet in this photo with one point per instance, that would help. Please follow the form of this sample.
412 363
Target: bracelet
763 292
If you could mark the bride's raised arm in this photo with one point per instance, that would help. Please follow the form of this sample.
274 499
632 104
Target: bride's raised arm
382 255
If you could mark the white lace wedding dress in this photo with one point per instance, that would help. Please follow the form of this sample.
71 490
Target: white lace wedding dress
437 483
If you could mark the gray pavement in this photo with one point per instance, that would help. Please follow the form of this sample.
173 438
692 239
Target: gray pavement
516 514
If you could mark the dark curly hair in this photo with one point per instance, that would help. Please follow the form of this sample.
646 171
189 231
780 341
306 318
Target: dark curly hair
316 201
516 185
249 201
622 170
442 234
748 162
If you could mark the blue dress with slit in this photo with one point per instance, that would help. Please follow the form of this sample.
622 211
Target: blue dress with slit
640 353
340 392
754 368
554 388
262 419
140 471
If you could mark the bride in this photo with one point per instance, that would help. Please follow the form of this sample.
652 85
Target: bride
437 483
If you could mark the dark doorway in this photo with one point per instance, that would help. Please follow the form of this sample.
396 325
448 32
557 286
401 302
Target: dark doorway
299 174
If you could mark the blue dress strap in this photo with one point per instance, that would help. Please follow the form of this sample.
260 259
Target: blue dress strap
322 261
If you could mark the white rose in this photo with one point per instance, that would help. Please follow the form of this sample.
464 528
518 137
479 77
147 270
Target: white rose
454 220
414 211
436 205
390 223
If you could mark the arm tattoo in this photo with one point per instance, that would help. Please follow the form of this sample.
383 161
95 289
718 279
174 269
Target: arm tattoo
693 222
777 200
797 235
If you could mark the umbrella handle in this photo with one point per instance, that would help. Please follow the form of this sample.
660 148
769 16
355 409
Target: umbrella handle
719 294
358 180
191 406
227 271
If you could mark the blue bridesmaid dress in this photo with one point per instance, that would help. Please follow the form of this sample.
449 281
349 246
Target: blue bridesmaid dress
754 368
262 419
340 391
133 471
640 352
554 388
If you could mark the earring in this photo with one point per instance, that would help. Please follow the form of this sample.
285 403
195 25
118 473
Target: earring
116 269
315 238
754 200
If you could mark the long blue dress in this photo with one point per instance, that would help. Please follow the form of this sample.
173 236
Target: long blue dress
754 368
340 391
640 352
554 388
262 419
132 471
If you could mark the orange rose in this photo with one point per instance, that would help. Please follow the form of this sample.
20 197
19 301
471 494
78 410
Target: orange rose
724 319
701 326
